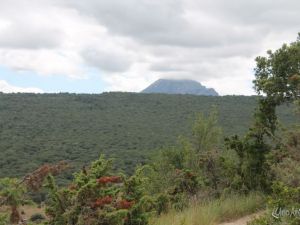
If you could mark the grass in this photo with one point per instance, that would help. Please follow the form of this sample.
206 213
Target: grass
213 212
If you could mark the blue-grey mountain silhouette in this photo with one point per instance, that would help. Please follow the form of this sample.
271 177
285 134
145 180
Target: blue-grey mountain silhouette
168 86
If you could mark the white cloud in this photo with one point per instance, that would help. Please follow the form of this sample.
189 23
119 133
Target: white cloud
133 42
107 60
7 88
43 62
28 25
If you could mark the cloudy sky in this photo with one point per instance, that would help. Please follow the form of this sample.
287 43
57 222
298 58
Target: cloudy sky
91 46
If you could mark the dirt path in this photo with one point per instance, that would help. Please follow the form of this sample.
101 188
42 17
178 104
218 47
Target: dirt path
243 220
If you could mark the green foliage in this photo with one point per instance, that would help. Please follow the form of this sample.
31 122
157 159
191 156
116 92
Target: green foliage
96 197
56 202
12 195
206 132
162 203
251 171
278 77
11 191
284 165
195 167
283 198
4 219
46 128
37 217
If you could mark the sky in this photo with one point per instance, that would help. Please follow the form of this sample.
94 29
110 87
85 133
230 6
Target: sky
93 46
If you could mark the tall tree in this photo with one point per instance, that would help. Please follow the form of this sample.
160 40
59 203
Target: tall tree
278 81
278 78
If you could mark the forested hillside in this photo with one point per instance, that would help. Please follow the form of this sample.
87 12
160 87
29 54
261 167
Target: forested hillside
41 128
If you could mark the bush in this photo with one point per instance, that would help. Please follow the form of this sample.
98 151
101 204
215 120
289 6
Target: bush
285 189
37 217
3 219
97 197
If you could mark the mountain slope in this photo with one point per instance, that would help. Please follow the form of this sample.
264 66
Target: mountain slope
179 87
46 128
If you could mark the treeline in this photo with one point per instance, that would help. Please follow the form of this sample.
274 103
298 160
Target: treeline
45 128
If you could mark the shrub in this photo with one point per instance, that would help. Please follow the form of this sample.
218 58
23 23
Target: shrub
37 217
97 197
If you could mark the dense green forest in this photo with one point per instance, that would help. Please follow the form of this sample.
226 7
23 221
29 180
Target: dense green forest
43 128
200 180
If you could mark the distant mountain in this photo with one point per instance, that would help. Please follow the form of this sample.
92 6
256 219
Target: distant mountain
179 87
